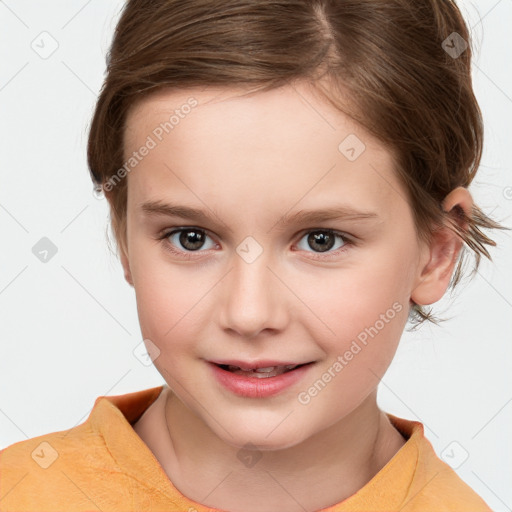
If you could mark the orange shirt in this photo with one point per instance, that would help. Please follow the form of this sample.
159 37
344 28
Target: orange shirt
102 464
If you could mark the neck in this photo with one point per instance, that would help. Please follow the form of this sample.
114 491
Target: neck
325 469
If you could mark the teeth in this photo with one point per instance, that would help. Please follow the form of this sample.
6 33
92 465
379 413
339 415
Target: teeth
232 368
264 370
270 371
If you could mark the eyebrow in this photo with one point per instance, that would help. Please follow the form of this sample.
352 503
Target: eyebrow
159 208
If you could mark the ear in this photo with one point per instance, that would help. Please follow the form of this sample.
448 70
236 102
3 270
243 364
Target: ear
439 259
126 264
120 238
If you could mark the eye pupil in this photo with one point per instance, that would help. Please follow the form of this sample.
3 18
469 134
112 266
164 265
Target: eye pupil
323 239
191 239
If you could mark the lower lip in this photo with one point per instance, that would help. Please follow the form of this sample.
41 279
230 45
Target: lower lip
254 387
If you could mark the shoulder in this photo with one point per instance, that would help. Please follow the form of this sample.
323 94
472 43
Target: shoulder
54 469
429 482
438 487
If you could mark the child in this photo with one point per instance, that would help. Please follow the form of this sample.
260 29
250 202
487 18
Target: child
288 184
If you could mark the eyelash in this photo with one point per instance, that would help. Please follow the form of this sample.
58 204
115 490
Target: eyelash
190 254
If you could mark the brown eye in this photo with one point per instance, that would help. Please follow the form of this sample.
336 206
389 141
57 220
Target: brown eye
191 239
323 241
187 239
323 244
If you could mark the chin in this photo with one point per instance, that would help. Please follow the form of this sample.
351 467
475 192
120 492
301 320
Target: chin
263 436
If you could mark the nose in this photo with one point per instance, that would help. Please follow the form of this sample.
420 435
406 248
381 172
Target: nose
253 299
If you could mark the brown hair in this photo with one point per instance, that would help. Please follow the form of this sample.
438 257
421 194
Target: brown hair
406 75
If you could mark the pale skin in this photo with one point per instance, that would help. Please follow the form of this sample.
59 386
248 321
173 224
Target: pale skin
252 160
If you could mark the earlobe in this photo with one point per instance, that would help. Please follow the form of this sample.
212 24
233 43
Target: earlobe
440 258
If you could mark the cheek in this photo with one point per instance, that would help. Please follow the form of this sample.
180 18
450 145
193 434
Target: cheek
167 305
366 309
167 297
367 315
358 295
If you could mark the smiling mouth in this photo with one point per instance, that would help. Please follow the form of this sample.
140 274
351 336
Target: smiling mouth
261 373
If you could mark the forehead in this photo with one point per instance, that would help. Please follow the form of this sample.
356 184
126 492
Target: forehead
285 145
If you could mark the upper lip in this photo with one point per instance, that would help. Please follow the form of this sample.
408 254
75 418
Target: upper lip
254 365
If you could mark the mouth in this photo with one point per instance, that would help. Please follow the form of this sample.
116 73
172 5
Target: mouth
261 372
259 379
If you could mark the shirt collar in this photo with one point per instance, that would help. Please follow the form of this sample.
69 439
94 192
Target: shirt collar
112 417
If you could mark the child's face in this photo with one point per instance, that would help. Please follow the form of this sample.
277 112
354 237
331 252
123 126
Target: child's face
246 163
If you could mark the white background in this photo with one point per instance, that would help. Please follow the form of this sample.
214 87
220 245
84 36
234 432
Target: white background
68 327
